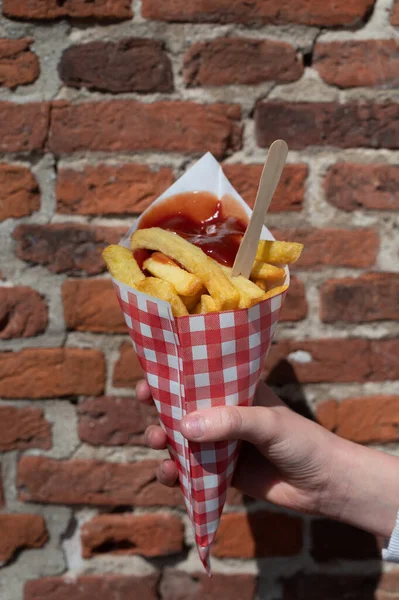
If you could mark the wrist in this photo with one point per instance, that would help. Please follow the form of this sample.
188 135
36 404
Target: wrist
363 488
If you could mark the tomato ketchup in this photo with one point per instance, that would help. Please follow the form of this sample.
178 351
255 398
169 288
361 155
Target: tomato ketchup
215 226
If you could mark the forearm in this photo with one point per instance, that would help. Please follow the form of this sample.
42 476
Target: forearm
364 488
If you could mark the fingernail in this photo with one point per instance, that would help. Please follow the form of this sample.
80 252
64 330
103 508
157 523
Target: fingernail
194 426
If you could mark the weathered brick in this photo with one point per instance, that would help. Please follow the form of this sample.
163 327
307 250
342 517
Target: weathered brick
127 368
351 186
257 12
20 531
317 361
92 305
366 420
332 541
328 123
179 585
87 587
314 586
19 192
239 60
23 313
23 127
384 360
69 248
258 534
18 64
114 421
129 65
110 190
368 298
395 13
102 10
295 306
332 360
290 192
51 373
357 63
127 125
96 483
356 248
147 535
22 428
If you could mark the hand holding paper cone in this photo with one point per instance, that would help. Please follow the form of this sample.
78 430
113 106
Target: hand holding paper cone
201 346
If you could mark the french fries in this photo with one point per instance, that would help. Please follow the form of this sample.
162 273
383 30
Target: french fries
122 265
278 253
198 284
185 284
193 259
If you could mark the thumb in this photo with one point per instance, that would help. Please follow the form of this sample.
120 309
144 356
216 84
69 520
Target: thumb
258 425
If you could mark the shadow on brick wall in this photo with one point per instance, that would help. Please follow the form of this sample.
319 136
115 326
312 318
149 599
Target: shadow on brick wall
332 561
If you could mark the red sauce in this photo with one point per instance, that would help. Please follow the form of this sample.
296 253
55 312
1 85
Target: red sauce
202 219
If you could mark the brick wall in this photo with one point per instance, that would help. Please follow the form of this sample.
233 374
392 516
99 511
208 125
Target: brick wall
104 103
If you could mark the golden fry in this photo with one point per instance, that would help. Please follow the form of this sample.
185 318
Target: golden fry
262 284
275 291
250 293
164 291
122 265
191 258
279 253
185 284
206 305
262 270
190 302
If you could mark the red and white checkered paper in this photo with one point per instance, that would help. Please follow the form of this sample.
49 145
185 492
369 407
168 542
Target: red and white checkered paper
196 362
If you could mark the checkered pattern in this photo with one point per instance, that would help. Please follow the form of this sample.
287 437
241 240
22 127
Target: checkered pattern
196 362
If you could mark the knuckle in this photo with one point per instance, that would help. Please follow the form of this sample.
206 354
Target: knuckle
230 420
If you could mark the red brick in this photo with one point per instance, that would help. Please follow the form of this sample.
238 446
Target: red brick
179 585
129 65
358 63
22 428
113 421
356 248
51 373
147 535
368 298
328 124
259 534
326 360
332 360
102 10
87 587
19 192
2 499
92 305
18 64
23 127
127 368
23 313
384 360
351 186
366 420
96 483
314 586
132 188
69 248
127 125
395 13
331 541
20 531
295 306
258 12
239 60
290 192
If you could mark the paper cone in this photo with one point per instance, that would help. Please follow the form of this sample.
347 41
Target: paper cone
196 362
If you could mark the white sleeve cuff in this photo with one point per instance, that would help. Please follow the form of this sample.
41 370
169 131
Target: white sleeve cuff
391 549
